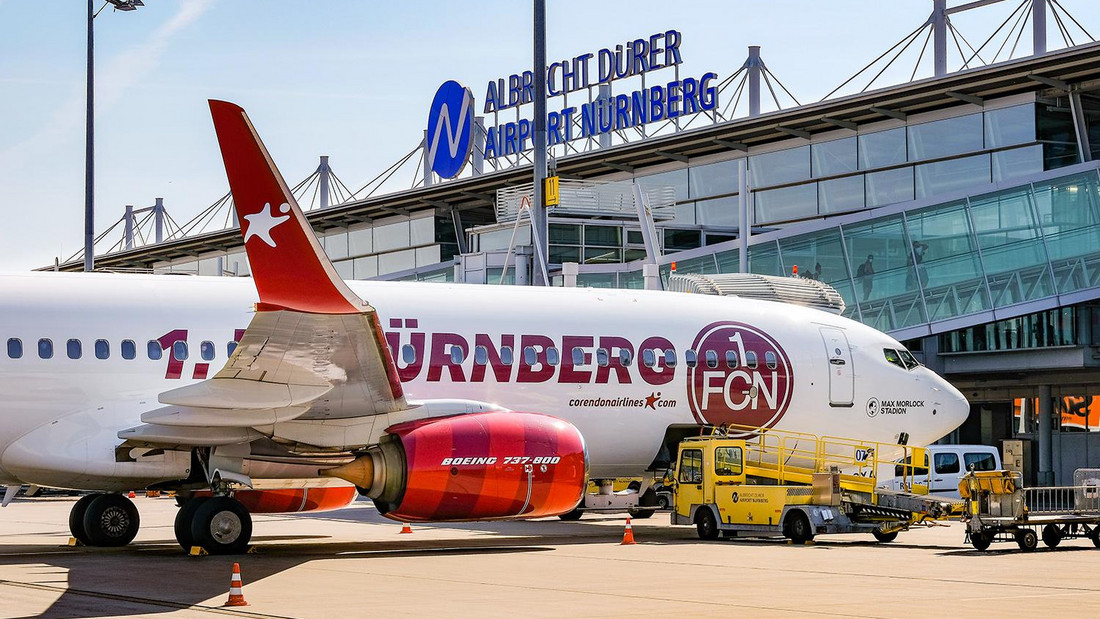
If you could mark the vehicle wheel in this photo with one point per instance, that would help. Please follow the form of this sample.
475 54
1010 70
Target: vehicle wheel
1094 535
705 524
184 517
76 518
111 520
662 501
1052 535
981 540
798 527
1027 540
641 514
222 526
885 537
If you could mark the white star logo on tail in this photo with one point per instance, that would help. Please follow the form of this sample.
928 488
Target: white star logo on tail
262 223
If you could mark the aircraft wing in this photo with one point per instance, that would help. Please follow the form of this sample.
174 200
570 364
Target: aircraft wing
314 349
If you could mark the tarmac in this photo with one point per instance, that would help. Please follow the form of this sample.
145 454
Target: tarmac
354 563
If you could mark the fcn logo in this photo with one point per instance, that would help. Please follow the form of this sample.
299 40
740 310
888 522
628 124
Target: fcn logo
743 377
450 129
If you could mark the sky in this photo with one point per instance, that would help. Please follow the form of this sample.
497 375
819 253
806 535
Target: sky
352 80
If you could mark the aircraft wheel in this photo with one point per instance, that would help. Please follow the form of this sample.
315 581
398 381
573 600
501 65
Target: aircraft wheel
222 526
981 540
110 520
1052 535
705 524
798 527
1027 540
76 518
640 514
885 537
184 517
575 514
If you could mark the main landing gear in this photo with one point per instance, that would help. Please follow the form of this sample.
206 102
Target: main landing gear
221 525
104 520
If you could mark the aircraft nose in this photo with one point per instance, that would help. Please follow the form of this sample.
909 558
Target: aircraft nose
956 408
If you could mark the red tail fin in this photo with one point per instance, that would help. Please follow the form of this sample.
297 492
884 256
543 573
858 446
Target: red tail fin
290 268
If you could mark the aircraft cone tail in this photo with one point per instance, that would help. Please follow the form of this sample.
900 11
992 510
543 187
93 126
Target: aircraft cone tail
236 594
628 534
290 269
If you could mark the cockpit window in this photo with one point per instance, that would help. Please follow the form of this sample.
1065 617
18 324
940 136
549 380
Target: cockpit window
908 359
893 357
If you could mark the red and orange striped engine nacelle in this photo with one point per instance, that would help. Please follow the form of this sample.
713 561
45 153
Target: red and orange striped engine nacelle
481 466
289 500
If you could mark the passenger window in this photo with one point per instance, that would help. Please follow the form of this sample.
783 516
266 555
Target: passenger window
670 358
602 357
45 348
74 349
727 461
731 359
690 359
530 358
506 355
893 357
481 355
947 463
206 350
750 359
649 358
129 349
712 359
770 361
979 462
553 357
153 349
691 466
102 349
179 350
578 355
408 354
625 358
457 355
15 348
230 348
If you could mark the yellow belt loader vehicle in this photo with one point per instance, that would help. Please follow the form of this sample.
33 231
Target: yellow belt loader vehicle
746 482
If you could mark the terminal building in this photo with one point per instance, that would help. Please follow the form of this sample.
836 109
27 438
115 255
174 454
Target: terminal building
959 213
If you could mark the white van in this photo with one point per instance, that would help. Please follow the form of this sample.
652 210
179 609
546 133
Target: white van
949 464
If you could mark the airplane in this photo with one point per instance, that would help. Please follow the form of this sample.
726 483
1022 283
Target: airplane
289 391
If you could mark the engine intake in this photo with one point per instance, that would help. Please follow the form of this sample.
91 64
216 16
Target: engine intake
481 466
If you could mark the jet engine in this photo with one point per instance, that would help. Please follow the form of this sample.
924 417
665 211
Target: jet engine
290 500
481 466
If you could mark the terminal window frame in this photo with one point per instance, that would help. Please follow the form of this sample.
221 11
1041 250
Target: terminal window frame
691 467
728 461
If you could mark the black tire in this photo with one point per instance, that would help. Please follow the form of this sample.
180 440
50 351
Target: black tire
184 517
76 518
1052 535
885 538
111 520
705 524
573 515
1094 535
1027 540
641 514
798 528
662 501
981 540
222 526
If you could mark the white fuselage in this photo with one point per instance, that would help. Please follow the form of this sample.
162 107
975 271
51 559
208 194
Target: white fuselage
803 380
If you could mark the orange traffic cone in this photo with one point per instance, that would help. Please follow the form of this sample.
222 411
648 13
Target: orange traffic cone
628 535
133 494
405 528
236 596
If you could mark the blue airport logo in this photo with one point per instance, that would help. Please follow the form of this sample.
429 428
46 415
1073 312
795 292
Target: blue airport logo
450 129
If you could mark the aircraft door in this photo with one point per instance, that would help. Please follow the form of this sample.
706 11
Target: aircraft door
841 375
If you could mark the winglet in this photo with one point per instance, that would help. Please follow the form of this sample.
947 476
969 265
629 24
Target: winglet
289 266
